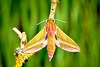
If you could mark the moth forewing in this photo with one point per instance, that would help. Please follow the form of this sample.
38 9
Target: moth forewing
65 42
36 43
36 48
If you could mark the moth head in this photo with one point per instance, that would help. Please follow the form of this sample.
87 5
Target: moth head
50 26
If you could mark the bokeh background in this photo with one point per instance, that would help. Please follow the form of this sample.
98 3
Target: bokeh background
82 19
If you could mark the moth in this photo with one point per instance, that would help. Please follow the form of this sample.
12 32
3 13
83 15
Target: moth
51 36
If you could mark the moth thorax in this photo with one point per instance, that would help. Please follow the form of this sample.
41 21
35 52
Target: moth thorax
50 27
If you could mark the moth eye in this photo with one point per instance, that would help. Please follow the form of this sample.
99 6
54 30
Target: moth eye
53 20
47 20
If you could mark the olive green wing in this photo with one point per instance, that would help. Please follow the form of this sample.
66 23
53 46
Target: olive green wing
65 42
36 43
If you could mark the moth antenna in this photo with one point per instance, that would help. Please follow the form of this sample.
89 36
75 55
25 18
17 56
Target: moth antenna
61 20
41 22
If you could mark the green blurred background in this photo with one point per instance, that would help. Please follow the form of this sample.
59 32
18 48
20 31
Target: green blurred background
83 25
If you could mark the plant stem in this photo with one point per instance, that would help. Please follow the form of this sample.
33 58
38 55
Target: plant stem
53 8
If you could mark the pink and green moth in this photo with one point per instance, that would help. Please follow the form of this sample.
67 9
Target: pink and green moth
51 36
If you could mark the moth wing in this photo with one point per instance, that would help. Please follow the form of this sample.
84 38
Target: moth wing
36 43
65 42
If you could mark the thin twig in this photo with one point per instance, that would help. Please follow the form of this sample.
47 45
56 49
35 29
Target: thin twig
18 32
53 8
22 36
